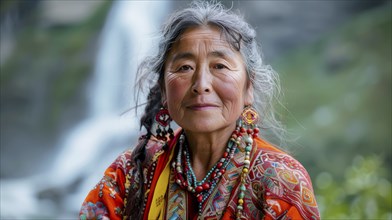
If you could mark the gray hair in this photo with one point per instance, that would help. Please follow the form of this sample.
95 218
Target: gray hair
241 36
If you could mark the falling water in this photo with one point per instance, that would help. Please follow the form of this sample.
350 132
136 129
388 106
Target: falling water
93 144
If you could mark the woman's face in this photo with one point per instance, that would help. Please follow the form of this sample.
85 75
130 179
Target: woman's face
205 80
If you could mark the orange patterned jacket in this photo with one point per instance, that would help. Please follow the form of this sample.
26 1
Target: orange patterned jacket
278 187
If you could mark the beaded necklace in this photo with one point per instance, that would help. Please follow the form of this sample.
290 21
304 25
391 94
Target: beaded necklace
186 178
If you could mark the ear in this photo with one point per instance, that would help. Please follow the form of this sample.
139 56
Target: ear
163 96
249 98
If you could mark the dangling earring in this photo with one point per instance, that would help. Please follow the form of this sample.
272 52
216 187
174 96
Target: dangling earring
163 120
249 118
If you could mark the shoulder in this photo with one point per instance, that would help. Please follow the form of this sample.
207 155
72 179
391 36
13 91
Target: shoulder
123 161
108 195
282 178
267 156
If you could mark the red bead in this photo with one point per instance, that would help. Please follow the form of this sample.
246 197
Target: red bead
226 154
256 130
254 135
199 198
242 130
219 165
199 189
206 186
213 175
249 131
222 171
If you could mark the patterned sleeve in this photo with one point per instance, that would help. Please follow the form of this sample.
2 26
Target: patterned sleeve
105 200
288 189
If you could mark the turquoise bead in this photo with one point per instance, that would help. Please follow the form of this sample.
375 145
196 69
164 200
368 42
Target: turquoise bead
248 139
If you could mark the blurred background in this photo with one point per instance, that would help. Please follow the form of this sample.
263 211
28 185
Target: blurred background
68 73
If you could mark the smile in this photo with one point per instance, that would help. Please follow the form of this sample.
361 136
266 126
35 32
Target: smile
200 107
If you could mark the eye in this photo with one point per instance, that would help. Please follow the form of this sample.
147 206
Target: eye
184 68
219 66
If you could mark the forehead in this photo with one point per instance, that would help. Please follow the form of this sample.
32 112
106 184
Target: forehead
210 35
201 32
202 38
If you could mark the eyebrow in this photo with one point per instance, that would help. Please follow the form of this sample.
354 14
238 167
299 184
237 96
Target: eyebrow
225 54
185 55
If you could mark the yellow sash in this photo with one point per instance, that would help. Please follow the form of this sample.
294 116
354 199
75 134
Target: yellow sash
158 207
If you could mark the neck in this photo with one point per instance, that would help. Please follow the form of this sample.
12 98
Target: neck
206 149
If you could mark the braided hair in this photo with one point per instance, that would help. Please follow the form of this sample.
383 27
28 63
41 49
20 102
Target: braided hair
134 200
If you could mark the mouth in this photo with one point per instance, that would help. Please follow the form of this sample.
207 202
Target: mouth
202 106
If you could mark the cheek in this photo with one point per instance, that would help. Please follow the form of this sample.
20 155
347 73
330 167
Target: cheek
229 93
231 90
175 89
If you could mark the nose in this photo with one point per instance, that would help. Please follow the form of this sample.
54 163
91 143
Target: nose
202 81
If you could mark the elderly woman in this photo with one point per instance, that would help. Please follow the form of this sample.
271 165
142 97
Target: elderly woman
209 78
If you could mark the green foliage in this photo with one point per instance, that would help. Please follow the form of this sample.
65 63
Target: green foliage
338 93
364 193
58 59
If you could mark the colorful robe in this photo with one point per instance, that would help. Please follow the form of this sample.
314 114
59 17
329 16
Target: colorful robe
278 187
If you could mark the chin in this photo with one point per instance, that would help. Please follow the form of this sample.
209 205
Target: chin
203 126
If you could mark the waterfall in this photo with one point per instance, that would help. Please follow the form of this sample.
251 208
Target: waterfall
126 39
94 143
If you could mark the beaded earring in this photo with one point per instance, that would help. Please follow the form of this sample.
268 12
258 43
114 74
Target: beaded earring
163 120
250 117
